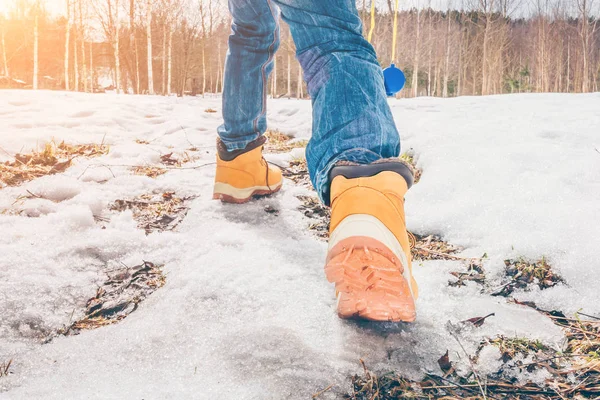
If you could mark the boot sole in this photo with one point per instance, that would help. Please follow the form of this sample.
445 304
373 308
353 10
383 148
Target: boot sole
369 281
229 194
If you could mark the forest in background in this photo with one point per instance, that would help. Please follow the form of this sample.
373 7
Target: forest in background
179 46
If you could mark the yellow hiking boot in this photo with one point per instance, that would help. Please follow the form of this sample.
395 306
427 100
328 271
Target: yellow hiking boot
369 256
243 174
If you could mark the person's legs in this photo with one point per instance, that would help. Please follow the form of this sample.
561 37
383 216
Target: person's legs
242 172
350 159
351 117
252 44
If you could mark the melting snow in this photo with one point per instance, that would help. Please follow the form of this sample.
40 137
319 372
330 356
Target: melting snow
246 311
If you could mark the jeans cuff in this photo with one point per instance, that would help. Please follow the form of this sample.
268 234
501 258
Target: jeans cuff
359 156
239 144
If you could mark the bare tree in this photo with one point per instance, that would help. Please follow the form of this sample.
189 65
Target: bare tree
447 60
82 37
149 40
67 41
36 39
75 51
2 38
415 78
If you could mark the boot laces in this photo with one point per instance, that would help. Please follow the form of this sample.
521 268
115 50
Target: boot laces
266 164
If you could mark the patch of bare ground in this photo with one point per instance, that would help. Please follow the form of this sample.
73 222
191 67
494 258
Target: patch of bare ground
319 215
432 247
574 373
155 211
523 274
54 158
573 370
119 296
167 161
297 172
473 272
279 142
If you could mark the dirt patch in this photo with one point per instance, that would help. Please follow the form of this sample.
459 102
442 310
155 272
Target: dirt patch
156 212
298 173
564 383
279 142
119 296
167 161
522 274
474 273
53 159
149 171
432 247
312 208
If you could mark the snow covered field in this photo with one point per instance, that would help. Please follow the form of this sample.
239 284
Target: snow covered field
246 312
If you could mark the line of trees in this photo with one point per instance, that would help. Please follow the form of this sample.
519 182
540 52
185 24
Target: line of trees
178 47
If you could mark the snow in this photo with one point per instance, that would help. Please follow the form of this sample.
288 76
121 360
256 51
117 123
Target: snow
246 311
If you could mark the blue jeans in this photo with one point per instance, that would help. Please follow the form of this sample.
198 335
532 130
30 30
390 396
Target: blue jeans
352 120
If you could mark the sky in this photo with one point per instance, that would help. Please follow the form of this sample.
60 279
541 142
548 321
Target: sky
54 6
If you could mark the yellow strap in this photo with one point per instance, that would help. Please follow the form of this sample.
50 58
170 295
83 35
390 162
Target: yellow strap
395 35
372 21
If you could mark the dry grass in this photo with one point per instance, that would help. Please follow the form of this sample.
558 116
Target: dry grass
298 173
432 247
522 273
167 161
474 273
510 347
210 111
155 212
54 158
279 142
118 297
150 171
581 380
574 370
5 368
409 157
315 210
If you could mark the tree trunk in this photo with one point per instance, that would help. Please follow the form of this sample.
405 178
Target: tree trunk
221 68
116 46
67 39
170 61
75 49
430 44
447 63
133 41
569 66
164 60
36 37
203 65
149 40
585 50
415 80
4 51
92 84
484 59
83 60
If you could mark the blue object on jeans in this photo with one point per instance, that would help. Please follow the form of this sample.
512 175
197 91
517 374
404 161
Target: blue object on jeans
394 80
352 120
